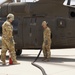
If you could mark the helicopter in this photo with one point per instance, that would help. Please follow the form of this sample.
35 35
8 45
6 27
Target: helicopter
28 32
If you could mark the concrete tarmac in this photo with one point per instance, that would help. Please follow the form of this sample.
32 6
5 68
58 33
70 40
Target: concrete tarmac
62 62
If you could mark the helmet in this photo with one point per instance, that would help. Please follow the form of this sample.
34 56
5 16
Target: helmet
10 16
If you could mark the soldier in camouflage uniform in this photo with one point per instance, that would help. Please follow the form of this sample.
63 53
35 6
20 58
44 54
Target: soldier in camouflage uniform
7 40
46 41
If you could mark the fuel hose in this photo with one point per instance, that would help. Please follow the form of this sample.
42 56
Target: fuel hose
38 66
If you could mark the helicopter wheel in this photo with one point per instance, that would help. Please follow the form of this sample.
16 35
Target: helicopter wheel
18 52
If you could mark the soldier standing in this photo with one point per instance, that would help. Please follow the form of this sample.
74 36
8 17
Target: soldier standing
7 40
46 41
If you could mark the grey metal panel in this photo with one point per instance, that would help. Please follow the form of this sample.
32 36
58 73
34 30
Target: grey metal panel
32 32
4 10
26 32
18 33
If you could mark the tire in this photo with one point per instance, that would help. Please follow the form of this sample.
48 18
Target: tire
18 52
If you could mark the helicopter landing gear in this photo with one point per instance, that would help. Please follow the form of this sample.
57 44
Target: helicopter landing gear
18 52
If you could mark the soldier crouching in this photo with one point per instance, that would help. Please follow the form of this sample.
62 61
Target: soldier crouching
46 41
7 40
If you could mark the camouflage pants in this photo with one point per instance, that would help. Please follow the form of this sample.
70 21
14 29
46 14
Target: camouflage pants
46 50
8 45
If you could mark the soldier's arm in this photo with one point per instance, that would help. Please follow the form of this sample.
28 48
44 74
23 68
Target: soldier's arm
9 31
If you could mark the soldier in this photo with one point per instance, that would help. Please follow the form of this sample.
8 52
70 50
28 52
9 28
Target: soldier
46 41
7 40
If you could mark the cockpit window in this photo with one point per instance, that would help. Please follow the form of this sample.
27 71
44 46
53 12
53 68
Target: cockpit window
69 2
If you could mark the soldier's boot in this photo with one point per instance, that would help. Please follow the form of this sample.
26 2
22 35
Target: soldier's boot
48 56
3 63
16 63
3 57
13 56
47 60
44 58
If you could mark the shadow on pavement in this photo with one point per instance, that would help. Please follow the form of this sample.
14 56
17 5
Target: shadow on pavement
54 60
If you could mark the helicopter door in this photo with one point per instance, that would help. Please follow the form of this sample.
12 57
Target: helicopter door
33 32
26 27
29 33
37 30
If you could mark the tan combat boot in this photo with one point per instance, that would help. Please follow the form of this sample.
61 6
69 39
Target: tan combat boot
16 63
44 58
47 60
3 63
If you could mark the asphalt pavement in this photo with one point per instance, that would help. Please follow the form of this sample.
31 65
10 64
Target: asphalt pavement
62 62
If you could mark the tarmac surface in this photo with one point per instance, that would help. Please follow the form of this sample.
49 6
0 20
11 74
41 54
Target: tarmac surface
62 62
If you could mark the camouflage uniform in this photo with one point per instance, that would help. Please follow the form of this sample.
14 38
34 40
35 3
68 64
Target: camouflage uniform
46 43
8 41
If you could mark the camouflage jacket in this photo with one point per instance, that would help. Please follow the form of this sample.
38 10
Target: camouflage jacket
7 31
47 36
